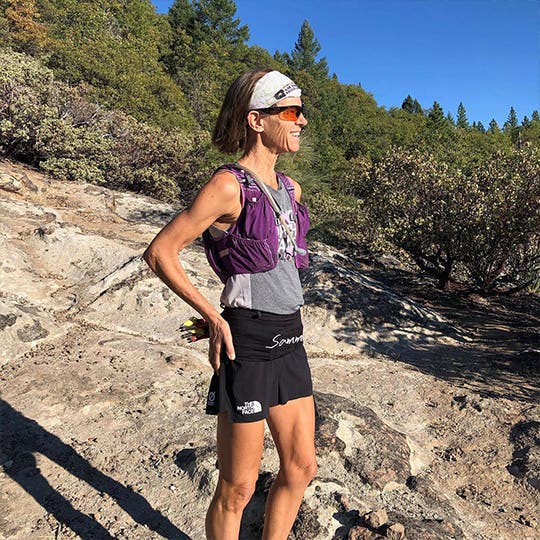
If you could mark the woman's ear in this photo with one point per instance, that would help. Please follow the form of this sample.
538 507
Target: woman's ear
255 121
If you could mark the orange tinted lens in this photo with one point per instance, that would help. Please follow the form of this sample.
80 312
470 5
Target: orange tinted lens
291 113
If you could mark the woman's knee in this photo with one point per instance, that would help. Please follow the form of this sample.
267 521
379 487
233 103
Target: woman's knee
299 473
234 496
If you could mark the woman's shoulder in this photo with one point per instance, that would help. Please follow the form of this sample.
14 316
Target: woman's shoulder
225 180
231 168
221 191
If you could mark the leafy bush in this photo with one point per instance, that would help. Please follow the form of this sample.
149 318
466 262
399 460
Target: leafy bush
25 103
338 220
74 153
486 223
504 236
51 125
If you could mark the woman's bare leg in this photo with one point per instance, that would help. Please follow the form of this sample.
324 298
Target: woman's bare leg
240 447
293 428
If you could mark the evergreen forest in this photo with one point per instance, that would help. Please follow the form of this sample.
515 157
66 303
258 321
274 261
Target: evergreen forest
112 93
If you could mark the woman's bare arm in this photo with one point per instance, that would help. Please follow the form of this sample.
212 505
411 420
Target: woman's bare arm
217 200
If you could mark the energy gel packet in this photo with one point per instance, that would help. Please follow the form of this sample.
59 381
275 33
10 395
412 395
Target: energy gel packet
194 329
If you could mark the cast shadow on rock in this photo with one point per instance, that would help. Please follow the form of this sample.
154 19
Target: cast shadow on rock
525 465
22 437
491 348
155 217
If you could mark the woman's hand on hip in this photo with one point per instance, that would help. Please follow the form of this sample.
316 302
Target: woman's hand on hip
220 338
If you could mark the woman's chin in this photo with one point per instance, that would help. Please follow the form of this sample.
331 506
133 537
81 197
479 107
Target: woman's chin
294 147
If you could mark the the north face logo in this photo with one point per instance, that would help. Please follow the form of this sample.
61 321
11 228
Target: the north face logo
249 407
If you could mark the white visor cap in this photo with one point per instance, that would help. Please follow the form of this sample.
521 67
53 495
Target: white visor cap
271 88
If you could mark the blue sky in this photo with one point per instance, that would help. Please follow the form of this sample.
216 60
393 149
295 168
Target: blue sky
485 53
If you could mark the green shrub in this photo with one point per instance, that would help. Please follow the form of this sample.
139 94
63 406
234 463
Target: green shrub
504 236
338 220
485 223
51 125
165 164
25 103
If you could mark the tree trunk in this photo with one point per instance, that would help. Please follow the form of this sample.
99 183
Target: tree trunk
444 276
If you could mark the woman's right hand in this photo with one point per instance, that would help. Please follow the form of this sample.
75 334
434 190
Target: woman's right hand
220 338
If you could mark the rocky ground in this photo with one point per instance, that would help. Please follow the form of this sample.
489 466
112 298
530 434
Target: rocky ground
428 414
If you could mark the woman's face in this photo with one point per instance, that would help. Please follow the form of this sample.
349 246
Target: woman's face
280 135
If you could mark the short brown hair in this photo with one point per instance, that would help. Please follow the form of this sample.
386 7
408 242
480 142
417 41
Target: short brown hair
230 133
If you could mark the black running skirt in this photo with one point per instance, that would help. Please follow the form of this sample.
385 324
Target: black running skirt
270 368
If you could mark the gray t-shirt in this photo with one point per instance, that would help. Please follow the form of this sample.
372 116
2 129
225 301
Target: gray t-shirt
279 290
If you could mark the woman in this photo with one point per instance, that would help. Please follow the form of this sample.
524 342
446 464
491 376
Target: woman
256 349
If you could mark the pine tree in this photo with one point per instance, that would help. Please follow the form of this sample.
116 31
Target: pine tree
202 21
462 121
408 104
214 19
436 116
181 15
412 105
526 122
181 19
450 118
282 58
304 54
207 50
417 108
493 127
512 121
480 127
535 117
511 126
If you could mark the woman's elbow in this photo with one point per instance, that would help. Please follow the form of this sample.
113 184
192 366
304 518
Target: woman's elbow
159 255
150 256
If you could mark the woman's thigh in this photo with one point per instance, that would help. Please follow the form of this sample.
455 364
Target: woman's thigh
240 447
293 429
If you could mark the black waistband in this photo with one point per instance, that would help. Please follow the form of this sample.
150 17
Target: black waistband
258 314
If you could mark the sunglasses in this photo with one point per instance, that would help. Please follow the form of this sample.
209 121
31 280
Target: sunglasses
289 112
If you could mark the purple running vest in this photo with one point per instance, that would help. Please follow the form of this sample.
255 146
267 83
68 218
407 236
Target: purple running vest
250 245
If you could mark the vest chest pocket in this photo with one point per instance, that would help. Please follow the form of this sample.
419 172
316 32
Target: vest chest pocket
258 219
238 255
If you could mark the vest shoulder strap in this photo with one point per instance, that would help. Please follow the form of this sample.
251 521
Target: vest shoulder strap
246 184
287 182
